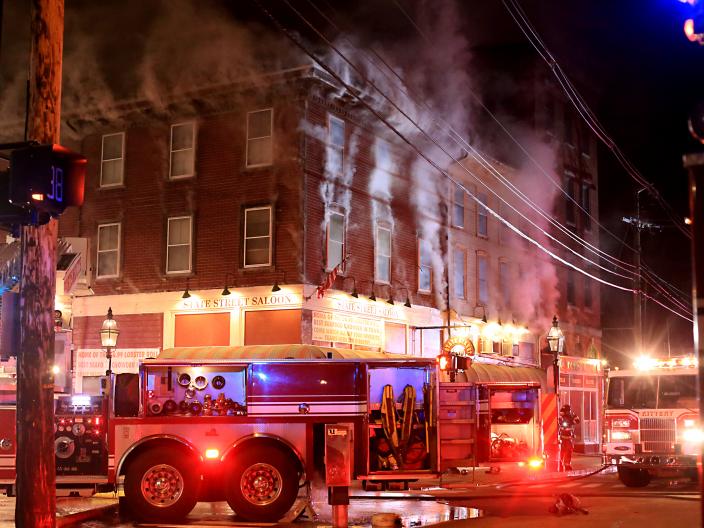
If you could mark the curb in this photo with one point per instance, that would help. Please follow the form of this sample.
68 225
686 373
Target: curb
85 515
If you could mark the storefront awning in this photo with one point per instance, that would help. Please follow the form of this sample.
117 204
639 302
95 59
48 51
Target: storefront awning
485 374
272 352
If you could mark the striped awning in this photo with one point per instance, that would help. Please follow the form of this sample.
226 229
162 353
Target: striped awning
486 374
272 352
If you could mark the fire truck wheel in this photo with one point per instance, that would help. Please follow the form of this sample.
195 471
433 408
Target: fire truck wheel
633 477
262 484
162 485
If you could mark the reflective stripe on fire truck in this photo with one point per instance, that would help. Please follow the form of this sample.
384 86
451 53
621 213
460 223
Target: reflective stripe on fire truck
336 408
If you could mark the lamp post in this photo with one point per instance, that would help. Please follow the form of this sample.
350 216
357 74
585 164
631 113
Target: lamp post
556 342
108 339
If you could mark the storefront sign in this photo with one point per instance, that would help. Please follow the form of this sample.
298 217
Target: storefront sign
366 308
577 380
590 382
92 361
271 300
585 365
335 327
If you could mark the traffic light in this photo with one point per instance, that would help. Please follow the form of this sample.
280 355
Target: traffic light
46 178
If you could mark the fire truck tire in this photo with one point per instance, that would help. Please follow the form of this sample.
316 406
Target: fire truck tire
262 483
161 485
633 477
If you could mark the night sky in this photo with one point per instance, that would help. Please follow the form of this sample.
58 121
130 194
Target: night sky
628 58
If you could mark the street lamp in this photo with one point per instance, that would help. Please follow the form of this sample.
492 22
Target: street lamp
108 338
556 342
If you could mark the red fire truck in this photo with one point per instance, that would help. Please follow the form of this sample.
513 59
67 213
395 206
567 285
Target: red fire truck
250 425
652 426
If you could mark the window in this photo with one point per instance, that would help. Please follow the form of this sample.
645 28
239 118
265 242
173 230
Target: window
182 150
178 244
570 287
587 206
588 301
425 266
482 218
335 249
383 254
459 267
584 137
259 138
571 190
336 145
257 237
108 251
482 279
458 208
112 160
504 282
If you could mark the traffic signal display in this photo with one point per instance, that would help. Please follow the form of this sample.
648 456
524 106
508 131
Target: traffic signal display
46 178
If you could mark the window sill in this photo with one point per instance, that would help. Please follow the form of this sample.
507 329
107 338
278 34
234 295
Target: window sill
180 178
111 187
255 168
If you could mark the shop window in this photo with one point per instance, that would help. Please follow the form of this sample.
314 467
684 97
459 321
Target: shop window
179 244
272 327
209 329
336 145
257 237
482 216
482 279
458 207
459 267
382 269
335 246
260 138
425 266
395 338
108 264
182 156
112 159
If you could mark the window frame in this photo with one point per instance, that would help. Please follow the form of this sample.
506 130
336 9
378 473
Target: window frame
118 250
463 252
332 146
482 204
248 165
190 245
172 151
121 183
458 191
588 294
341 264
421 243
481 256
382 226
505 281
571 200
586 205
270 236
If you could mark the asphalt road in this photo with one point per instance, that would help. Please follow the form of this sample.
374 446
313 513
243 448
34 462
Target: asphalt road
524 504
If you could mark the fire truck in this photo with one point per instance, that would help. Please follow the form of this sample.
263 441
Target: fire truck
249 425
652 426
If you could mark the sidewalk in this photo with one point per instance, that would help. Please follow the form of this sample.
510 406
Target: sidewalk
69 510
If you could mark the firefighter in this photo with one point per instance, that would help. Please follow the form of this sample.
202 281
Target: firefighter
567 423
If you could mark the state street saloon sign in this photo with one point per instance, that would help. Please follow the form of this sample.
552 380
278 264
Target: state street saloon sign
261 301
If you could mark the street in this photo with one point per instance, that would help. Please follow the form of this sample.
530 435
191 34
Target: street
608 502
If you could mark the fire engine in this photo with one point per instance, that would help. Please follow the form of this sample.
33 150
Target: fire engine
652 426
250 425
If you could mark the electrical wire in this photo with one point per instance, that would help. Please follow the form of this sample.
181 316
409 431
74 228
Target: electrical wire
517 13
298 42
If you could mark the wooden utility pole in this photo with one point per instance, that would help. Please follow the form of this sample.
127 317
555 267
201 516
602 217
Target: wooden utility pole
36 469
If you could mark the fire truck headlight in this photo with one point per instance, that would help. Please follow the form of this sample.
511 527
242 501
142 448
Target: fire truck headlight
689 423
621 422
212 453
620 435
693 435
535 463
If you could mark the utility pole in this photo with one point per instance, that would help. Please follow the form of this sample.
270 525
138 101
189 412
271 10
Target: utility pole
638 300
36 470
695 164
